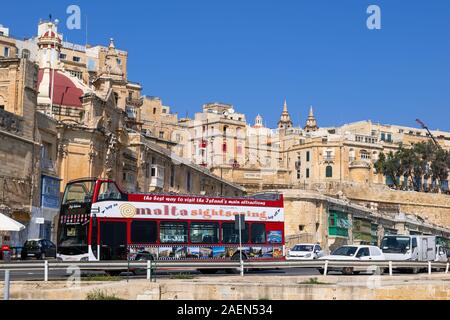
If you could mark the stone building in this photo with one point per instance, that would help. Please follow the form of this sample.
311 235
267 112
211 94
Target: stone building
57 125
20 144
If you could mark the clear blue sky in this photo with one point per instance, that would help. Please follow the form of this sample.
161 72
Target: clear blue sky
254 53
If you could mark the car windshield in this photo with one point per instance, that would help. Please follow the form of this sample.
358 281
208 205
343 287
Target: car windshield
79 192
395 244
345 251
306 248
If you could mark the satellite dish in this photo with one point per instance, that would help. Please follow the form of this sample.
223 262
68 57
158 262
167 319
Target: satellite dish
225 113
56 21
231 111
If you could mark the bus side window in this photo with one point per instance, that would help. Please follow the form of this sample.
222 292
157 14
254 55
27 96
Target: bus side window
414 243
258 233
109 191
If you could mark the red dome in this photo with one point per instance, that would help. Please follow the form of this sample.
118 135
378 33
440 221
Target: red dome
50 34
65 93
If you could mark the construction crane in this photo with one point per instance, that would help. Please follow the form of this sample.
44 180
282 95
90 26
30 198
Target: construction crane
424 126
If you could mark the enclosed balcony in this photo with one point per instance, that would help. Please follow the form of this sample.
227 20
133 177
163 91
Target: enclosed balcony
157 176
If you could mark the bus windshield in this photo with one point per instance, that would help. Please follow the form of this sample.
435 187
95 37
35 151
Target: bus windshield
395 244
73 238
79 192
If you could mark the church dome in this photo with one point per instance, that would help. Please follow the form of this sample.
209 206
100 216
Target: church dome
66 91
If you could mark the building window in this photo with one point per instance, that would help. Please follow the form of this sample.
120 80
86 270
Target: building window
188 181
307 173
329 172
2 107
172 176
365 155
6 52
161 134
154 110
308 156
119 61
26 54
76 59
147 170
299 175
77 74
63 56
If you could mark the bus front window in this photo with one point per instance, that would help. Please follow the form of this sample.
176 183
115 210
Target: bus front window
79 192
73 239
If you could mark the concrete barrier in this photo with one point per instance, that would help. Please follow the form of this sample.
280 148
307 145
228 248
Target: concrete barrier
422 287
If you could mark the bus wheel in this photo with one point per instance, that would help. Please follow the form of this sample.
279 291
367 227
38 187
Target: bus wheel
208 271
235 258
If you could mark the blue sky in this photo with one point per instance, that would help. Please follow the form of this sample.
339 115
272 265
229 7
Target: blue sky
255 53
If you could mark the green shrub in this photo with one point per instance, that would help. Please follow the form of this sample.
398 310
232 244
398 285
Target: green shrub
98 294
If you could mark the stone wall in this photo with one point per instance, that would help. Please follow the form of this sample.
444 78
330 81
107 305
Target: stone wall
433 208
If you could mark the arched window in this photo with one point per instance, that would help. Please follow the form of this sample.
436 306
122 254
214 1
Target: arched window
329 172
365 155
26 54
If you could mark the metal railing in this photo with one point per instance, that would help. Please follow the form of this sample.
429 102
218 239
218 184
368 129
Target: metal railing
151 266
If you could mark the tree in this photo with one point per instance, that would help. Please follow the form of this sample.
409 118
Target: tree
440 166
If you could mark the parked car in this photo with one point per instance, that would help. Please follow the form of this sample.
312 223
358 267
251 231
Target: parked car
305 251
39 249
355 253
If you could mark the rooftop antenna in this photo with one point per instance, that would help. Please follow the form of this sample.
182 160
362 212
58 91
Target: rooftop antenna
50 17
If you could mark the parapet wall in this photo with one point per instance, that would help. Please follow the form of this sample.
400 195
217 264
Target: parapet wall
433 208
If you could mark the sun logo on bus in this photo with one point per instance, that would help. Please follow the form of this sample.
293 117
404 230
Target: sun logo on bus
127 210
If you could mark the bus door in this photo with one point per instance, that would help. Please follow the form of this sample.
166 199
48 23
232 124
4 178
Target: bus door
113 240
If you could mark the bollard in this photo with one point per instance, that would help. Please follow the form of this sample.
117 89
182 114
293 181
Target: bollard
390 269
242 268
429 267
46 271
7 284
446 269
148 270
325 269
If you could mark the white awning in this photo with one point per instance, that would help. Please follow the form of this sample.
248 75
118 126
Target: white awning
8 224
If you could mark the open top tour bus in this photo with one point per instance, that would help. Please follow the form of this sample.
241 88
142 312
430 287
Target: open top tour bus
100 222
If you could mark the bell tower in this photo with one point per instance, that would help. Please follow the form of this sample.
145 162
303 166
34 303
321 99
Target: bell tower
285 119
311 122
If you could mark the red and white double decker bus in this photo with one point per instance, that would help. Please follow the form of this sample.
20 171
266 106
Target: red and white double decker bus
98 222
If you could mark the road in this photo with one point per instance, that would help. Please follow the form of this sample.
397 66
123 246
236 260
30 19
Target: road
37 275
